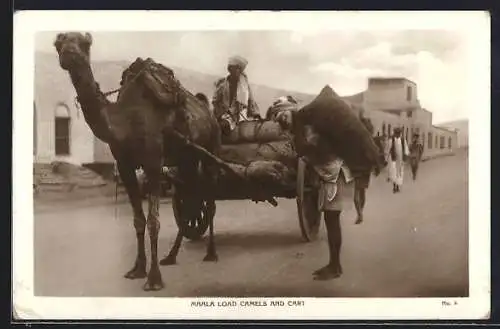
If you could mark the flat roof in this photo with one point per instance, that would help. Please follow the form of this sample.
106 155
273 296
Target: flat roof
444 129
390 79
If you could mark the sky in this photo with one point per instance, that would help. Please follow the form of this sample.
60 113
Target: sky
305 61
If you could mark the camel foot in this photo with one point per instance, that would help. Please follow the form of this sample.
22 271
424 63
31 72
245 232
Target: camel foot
328 272
138 272
154 281
359 220
211 257
168 260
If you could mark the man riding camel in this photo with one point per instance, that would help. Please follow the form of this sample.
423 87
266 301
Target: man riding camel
233 99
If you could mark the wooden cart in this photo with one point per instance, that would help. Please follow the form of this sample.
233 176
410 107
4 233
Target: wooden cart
301 189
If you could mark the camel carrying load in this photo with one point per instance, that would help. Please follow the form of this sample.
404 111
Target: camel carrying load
155 120
257 155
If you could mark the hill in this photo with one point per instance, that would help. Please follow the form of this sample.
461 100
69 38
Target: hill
52 82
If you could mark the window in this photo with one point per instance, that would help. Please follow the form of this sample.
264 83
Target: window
436 141
408 93
423 141
383 128
389 130
429 141
62 130
449 142
409 114
407 137
441 142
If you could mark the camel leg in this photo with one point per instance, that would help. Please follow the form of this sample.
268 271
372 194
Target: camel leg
209 175
171 258
127 174
211 252
153 173
187 171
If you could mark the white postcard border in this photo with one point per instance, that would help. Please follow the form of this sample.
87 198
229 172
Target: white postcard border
475 24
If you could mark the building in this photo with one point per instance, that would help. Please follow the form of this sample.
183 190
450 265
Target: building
60 132
393 102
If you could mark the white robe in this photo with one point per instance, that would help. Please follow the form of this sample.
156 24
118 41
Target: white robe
396 168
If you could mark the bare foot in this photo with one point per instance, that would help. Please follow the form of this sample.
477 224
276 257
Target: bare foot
328 272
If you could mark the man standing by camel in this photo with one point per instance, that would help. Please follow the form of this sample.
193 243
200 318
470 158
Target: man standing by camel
398 152
416 151
311 128
335 189
233 100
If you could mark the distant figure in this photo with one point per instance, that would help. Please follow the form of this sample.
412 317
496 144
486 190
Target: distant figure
233 100
384 141
398 152
281 104
381 141
416 151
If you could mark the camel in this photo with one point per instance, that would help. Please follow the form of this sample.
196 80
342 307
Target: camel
142 129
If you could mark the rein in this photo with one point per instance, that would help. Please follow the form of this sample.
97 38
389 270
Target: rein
114 91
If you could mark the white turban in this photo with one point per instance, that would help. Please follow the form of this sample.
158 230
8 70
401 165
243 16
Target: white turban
238 61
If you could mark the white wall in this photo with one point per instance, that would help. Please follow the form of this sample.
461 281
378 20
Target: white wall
52 87
102 153
390 95
81 137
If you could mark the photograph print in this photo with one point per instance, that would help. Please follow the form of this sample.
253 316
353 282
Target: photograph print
251 167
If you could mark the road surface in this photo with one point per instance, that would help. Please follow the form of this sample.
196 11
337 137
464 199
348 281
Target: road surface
414 243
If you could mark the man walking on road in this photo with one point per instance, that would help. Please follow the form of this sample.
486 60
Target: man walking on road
416 151
398 152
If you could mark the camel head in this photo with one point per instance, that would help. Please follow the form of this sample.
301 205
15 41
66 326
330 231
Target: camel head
73 49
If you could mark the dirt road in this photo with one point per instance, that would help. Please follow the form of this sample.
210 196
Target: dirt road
412 244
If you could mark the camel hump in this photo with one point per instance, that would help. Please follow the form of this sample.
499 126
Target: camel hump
159 79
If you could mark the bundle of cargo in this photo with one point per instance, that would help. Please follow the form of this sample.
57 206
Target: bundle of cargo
344 133
263 155
244 154
258 131
268 165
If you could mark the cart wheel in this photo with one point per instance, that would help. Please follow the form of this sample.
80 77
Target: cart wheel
307 205
195 227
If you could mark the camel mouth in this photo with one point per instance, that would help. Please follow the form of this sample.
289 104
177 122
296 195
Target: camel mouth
70 58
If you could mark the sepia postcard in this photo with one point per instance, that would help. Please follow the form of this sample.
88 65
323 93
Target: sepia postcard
205 165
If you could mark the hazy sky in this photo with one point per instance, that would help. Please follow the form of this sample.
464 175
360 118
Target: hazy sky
306 61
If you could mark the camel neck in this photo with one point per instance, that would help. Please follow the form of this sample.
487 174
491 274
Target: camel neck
91 99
